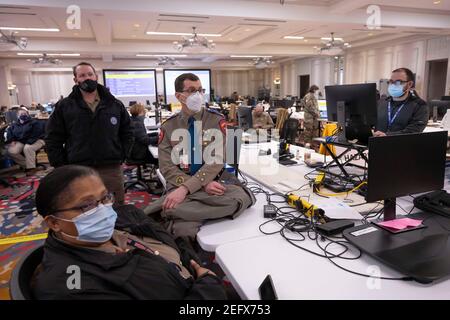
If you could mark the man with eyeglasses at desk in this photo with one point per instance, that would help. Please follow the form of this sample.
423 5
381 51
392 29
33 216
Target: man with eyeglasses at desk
403 111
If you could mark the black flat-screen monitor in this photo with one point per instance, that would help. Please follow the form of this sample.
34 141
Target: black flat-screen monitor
245 117
438 109
405 164
357 111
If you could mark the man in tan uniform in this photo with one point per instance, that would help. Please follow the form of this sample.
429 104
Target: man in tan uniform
261 119
195 186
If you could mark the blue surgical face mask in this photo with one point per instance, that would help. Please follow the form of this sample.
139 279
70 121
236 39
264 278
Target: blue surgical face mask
95 225
396 90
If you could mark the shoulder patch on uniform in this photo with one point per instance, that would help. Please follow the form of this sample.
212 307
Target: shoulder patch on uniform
179 180
223 126
161 136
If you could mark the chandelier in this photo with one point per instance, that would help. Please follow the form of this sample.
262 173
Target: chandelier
194 41
11 39
333 46
166 61
262 62
45 59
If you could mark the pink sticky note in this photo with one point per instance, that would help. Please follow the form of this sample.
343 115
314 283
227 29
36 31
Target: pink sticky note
400 224
393 224
411 222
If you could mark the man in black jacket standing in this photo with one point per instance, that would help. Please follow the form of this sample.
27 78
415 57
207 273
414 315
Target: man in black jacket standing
90 127
403 111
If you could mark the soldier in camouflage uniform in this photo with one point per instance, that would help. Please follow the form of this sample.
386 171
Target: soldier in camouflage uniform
261 119
195 192
312 114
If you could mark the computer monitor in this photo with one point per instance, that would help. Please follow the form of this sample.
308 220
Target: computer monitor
400 165
245 118
289 131
438 109
354 107
323 109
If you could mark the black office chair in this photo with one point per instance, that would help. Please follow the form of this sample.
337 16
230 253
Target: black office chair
152 185
20 283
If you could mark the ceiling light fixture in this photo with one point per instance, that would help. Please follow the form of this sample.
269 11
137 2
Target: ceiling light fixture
45 59
237 56
262 62
333 46
294 37
155 33
193 42
11 39
30 29
48 54
166 61
161 55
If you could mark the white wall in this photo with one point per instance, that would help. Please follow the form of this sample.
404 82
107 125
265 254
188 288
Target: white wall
320 69
371 65
438 49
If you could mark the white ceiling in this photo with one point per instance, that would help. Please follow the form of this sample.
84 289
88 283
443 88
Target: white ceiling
117 29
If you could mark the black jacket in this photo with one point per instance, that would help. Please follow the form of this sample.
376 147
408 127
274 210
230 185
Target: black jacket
135 274
141 141
76 135
26 133
413 117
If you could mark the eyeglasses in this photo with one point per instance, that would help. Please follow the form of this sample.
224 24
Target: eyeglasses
192 90
106 199
397 82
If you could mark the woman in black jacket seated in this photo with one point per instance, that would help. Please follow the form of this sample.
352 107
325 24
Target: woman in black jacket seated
139 152
94 252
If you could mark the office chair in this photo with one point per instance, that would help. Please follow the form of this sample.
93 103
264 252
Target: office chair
20 283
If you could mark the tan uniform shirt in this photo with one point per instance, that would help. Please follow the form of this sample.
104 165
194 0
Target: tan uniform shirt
93 105
178 173
262 120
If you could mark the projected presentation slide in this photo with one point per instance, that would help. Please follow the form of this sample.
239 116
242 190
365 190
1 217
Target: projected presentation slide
131 86
169 82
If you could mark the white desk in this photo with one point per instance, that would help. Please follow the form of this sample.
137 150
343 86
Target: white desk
297 274
269 174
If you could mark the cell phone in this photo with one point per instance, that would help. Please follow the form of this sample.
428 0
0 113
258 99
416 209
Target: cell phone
267 290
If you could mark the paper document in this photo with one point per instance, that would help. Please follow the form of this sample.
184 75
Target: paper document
336 209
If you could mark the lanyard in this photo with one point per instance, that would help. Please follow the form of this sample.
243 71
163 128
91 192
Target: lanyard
391 120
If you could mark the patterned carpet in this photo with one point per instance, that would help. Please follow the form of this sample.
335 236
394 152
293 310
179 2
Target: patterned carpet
18 217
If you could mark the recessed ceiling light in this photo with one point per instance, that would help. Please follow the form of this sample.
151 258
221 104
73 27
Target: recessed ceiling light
161 55
155 33
231 39
133 36
329 39
48 54
294 37
437 2
247 30
370 34
76 34
238 56
306 40
136 25
30 29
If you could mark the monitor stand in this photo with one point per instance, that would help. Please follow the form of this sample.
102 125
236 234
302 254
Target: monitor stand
341 121
389 209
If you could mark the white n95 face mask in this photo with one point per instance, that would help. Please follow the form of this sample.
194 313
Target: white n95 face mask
195 101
